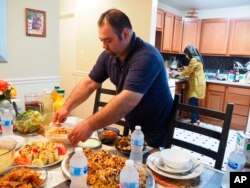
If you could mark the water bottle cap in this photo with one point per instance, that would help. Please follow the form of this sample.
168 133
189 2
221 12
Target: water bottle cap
129 163
137 127
78 150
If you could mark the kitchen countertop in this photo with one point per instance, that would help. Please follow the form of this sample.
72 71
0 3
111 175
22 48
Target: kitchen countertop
241 84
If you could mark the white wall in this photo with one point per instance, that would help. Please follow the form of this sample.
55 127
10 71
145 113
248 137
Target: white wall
31 56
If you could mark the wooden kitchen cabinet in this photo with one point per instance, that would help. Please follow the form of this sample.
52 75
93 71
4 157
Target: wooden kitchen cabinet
181 87
191 32
169 39
167 32
215 97
241 99
239 38
177 34
160 20
214 36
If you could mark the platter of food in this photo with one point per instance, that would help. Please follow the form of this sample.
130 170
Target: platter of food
58 134
43 154
122 144
104 169
23 176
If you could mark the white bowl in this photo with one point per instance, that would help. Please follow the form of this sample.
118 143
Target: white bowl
175 158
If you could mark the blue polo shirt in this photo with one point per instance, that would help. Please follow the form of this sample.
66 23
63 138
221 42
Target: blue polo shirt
144 72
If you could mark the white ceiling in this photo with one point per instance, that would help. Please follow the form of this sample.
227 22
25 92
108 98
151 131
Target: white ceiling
184 5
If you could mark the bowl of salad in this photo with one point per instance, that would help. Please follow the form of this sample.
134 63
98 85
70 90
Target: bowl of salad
29 122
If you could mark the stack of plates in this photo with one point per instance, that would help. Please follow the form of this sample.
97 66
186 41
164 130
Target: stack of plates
192 170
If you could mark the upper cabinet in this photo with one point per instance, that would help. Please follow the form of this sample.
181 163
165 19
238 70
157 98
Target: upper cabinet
214 36
239 41
223 37
177 34
169 38
191 33
160 20
167 32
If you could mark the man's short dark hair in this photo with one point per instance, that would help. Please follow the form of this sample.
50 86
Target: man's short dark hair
117 19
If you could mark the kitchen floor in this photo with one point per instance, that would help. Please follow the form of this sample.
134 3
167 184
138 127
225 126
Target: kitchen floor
208 142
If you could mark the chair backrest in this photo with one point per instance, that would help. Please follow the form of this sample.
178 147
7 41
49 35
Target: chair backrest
100 102
177 122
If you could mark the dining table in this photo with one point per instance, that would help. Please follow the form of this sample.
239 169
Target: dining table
210 177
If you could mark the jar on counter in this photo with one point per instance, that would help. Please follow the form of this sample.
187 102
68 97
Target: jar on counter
47 106
33 101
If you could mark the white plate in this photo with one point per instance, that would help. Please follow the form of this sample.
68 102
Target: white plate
18 139
197 172
92 143
165 168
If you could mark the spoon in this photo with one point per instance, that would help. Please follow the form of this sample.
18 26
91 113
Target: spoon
18 115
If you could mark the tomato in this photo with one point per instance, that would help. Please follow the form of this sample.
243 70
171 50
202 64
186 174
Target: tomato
22 160
61 148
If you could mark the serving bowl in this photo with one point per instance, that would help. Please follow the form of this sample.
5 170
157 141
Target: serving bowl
108 135
24 176
29 122
123 145
175 158
58 134
7 152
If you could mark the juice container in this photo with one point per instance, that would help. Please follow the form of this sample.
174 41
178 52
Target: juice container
54 93
60 100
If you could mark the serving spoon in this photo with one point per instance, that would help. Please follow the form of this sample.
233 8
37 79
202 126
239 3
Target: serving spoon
18 115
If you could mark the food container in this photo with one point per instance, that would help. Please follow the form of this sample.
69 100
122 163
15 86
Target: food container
30 122
58 134
123 145
7 152
33 101
175 158
108 135
28 176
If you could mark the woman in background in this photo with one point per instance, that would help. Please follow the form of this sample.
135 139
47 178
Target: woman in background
196 78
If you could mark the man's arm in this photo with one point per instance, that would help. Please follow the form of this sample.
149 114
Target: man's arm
116 109
78 95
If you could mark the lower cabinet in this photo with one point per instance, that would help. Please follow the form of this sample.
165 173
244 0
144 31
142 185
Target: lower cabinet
214 100
217 98
241 99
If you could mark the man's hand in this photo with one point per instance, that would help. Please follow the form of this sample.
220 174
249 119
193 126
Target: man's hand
81 132
60 116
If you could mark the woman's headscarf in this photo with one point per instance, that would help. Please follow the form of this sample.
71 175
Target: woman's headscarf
193 52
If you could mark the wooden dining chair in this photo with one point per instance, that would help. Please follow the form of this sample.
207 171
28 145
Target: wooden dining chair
100 102
177 122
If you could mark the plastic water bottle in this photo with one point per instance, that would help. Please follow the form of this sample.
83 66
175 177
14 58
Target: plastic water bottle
236 161
7 123
78 169
129 176
137 142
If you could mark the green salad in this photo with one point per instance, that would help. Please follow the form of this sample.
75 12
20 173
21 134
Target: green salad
30 122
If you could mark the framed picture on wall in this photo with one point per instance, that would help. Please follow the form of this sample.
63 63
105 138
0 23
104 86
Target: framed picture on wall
35 21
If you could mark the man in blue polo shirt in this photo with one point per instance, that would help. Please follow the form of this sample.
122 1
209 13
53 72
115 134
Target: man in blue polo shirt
137 70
